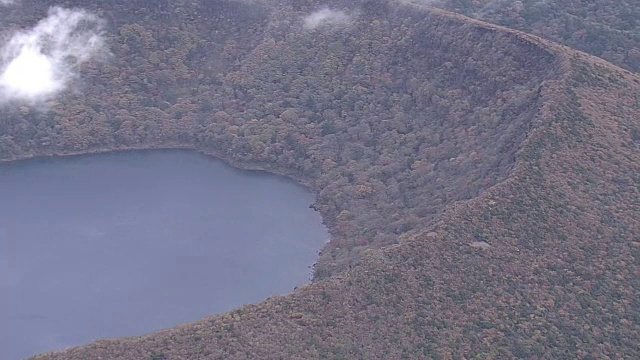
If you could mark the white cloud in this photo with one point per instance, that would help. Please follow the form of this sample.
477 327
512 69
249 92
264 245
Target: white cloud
325 17
6 2
38 63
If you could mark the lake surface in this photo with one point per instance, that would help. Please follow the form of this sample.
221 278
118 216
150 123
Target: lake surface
124 244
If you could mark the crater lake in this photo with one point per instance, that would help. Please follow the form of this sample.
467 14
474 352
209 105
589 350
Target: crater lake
127 243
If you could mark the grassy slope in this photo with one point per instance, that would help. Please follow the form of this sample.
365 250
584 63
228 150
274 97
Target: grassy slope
560 280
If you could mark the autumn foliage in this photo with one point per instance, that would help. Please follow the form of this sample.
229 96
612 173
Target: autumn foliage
480 184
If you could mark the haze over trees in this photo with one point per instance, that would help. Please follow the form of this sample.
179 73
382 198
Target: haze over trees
480 184
608 29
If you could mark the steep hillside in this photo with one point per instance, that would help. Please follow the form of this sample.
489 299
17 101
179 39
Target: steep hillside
480 184
605 28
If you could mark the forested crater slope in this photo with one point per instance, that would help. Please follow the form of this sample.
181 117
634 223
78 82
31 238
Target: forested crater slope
480 184
388 112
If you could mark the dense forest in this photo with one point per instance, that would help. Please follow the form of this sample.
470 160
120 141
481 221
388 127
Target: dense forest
608 29
480 184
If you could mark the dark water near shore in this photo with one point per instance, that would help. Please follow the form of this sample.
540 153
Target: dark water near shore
123 244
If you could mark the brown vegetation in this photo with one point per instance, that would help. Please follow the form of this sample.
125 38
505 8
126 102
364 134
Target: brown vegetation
480 184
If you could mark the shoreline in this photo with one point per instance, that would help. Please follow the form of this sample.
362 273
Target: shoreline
170 146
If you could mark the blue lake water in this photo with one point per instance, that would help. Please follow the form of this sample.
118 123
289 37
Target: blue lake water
124 244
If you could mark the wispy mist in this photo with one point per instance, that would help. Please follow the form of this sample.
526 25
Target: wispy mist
326 17
38 63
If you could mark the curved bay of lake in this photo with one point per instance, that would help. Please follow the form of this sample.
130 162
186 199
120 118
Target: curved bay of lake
126 243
